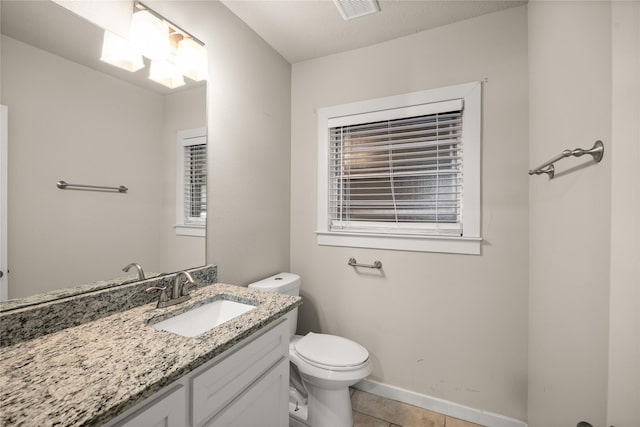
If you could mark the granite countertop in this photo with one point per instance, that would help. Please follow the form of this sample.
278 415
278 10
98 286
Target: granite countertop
87 374
13 304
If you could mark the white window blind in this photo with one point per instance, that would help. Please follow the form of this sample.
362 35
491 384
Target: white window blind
191 182
400 175
402 172
195 183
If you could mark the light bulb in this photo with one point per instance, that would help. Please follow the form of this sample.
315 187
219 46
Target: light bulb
192 59
166 73
119 52
150 35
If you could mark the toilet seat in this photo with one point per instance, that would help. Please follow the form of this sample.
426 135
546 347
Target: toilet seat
331 352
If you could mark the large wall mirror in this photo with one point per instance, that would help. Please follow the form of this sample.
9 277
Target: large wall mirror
72 117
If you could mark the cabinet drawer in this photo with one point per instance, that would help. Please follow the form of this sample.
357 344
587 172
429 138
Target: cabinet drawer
217 386
168 410
264 403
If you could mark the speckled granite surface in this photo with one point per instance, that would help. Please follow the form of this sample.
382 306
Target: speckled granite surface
21 323
86 374
32 300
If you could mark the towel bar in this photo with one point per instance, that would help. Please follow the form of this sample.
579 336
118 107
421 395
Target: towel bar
376 264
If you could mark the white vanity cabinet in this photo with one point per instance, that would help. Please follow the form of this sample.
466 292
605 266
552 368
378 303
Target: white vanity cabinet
245 386
169 409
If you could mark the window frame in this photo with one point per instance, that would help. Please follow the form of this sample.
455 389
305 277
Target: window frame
470 241
183 226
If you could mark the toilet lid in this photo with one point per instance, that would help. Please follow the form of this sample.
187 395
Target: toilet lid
331 350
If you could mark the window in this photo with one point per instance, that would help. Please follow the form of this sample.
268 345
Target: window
191 183
402 172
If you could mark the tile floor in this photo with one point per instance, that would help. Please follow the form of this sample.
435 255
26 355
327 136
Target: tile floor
373 411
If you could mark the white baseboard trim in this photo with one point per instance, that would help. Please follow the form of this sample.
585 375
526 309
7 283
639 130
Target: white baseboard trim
435 404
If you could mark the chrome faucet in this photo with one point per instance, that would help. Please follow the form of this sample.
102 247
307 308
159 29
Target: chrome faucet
179 291
137 266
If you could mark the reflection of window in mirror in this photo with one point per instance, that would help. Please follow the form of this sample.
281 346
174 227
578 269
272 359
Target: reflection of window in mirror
191 184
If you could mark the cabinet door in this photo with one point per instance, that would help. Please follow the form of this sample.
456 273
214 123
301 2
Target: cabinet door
217 385
169 410
264 404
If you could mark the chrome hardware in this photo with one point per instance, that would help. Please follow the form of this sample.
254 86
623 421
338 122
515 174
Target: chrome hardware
137 266
179 291
66 186
353 263
597 151
163 300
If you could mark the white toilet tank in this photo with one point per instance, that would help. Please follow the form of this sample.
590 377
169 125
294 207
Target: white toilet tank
282 283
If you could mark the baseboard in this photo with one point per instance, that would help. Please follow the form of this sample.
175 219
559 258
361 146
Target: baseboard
435 404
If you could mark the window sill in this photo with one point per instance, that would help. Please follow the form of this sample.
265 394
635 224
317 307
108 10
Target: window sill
442 244
190 230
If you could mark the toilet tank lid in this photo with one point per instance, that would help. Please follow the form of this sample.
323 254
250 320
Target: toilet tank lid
280 282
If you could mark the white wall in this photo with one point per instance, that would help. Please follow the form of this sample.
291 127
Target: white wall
448 326
248 97
58 132
624 301
182 110
73 123
570 216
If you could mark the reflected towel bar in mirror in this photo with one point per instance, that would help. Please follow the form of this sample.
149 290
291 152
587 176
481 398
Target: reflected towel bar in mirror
597 151
66 186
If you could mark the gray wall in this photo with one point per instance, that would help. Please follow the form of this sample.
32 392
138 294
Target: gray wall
584 298
182 110
69 122
624 300
448 326
249 143
570 106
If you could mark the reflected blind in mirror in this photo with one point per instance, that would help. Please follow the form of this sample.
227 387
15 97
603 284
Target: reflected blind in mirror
195 183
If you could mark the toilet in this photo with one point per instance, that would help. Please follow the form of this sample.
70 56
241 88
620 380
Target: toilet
323 367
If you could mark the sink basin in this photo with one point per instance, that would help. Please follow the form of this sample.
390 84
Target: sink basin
201 319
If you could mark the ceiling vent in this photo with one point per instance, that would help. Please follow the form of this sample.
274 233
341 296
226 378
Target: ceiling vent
350 9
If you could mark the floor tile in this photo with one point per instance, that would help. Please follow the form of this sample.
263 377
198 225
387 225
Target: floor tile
395 412
362 420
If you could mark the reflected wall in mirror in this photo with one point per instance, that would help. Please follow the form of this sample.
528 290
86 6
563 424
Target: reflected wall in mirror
76 119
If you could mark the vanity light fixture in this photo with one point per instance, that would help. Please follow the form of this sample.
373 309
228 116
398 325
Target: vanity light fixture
173 52
118 51
350 9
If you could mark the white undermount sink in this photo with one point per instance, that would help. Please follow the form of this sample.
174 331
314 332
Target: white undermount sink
201 319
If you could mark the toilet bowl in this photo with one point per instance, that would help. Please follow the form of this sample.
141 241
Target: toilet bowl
326 364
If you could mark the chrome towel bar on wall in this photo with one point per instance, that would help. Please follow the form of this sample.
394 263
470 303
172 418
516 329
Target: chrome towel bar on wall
597 151
353 263
66 186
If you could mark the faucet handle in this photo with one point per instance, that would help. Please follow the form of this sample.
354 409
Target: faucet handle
185 287
163 298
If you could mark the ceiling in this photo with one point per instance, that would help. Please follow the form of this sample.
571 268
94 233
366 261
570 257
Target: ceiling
298 29
304 29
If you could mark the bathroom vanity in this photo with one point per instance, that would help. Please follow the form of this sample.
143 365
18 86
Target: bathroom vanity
119 371
245 386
